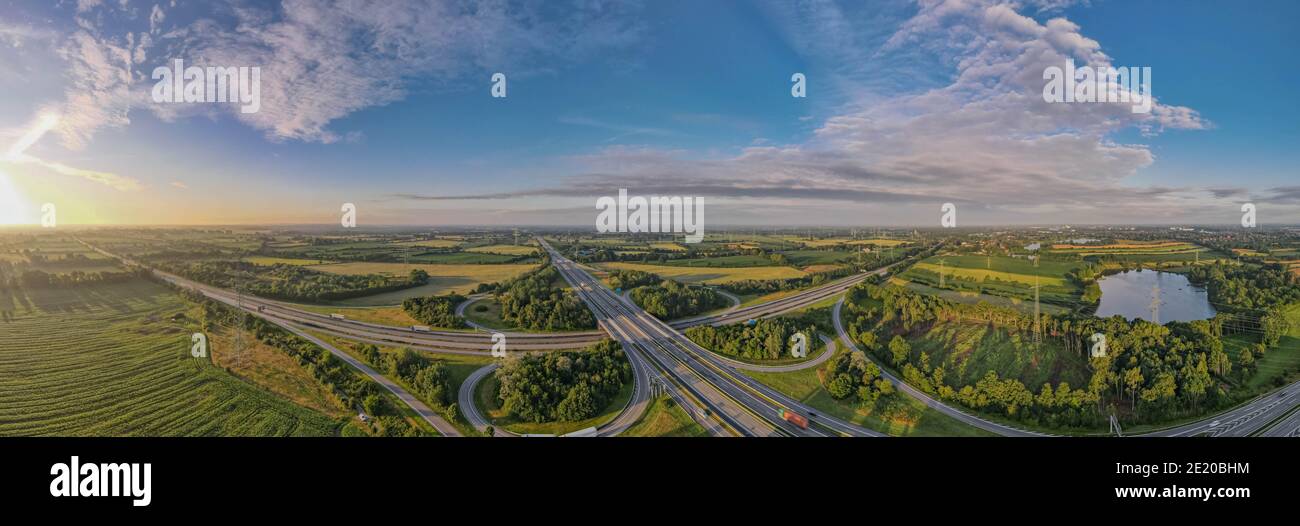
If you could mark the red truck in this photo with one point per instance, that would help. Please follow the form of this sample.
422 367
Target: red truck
795 418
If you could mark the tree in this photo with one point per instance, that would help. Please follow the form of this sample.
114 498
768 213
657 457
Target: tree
578 405
900 350
375 405
1132 382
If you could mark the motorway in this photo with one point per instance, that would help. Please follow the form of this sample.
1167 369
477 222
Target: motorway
740 404
1247 419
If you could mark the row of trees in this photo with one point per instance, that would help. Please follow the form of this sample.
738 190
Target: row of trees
766 339
562 386
438 311
671 300
291 282
533 301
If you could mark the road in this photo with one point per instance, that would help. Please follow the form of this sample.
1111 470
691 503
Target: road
946 409
468 405
1287 427
741 404
1247 419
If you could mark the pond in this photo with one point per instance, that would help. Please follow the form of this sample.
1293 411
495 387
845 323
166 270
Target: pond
1130 293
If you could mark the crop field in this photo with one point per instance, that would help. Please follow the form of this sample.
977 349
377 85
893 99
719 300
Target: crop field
431 243
443 279
52 253
709 275
113 360
673 247
509 250
805 258
723 261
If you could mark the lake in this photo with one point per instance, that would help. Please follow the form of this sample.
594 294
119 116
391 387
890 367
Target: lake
1129 294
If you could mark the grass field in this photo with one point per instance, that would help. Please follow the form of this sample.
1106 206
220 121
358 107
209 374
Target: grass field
1281 361
902 416
443 279
394 316
998 276
491 409
818 257
664 418
108 360
722 262
707 274
819 243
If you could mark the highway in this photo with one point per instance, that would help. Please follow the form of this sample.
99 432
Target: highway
746 406
1286 427
1247 419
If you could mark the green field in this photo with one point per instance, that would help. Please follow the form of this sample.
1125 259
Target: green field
722 262
706 274
443 279
108 360
1282 361
901 416
665 418
998 276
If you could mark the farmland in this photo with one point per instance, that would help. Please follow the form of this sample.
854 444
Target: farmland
707 275
113 359
443 279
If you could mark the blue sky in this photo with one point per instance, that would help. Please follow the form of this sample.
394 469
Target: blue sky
910 105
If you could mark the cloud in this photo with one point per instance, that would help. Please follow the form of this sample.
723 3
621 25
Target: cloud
984 137
324 60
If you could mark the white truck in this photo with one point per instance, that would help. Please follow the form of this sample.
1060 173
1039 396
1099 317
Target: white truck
338 316
420 328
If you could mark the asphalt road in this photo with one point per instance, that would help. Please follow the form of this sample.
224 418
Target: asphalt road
742 404
1245 420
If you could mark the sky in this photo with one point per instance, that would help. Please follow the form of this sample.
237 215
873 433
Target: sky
388 105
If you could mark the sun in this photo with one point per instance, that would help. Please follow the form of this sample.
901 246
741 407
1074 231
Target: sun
13 211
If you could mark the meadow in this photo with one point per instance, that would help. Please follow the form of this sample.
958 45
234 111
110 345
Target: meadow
998 276
113 360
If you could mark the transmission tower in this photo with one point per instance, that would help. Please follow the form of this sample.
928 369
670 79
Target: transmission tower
1038 324
941 262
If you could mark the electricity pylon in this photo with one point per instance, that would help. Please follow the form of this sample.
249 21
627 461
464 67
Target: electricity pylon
1038 324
